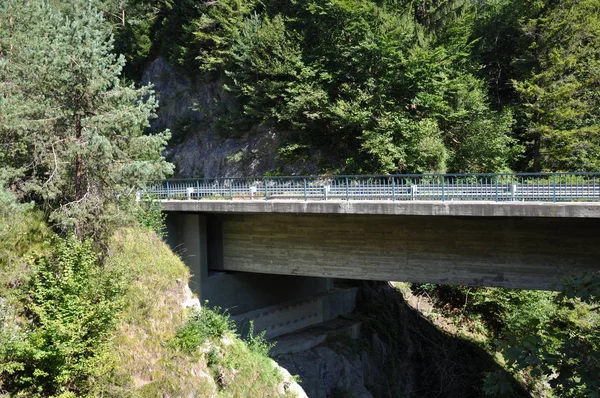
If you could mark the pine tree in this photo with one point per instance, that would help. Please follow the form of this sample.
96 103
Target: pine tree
560 96
71 133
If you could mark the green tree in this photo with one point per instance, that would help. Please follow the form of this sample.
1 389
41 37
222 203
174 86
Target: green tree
71 133
71 306
216 29
372 84
560 96
564 348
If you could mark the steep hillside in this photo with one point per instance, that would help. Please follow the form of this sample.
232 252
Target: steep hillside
191 107
150 362
129 327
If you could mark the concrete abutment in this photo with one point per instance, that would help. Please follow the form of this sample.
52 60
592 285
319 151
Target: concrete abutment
277 304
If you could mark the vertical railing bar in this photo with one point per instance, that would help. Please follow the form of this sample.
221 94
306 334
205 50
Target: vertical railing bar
443 188
347 190
266 188
305 197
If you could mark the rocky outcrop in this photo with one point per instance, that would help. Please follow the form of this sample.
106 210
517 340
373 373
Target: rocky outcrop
190 107
341 368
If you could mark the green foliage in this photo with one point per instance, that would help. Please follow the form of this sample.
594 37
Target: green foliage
71 132
231 361
268 72
560 94
257 342
204 324
565 349
392 86
543 335
216 29
149 215
540 60
71 307
366 82
22 233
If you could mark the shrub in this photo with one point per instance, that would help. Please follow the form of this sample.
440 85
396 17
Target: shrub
257 342
71 306
149 215
203 324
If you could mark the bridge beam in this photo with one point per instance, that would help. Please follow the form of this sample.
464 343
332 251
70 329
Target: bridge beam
515 252
388 207
197 238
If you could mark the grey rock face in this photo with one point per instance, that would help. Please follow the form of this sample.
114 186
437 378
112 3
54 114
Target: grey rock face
340 370
193 105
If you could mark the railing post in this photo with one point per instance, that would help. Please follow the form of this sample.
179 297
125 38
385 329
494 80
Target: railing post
266 189
443 193
305 197
554 187
496 188
198 189
168 193
393 188
230 189
347 193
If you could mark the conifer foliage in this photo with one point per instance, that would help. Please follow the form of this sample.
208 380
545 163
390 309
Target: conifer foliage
71 132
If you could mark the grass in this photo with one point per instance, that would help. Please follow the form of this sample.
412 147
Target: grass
164 350
151 317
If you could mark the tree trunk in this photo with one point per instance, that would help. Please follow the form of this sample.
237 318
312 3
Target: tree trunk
78 162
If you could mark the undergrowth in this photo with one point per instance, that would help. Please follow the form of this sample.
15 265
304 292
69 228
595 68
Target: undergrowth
71 325
239 367
548 340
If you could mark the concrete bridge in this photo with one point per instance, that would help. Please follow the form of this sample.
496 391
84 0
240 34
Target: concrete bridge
253 254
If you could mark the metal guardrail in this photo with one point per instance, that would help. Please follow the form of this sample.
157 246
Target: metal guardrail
540 187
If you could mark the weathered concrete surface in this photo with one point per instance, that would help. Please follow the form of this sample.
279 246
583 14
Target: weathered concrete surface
533 253
198 241
386 207
300 313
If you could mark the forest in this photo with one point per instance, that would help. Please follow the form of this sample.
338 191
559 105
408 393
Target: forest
392 86
372 86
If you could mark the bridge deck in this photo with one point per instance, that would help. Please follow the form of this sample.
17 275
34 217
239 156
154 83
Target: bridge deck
387 207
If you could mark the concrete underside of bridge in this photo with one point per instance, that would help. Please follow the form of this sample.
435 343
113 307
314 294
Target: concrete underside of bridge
533 253
251 261
276 304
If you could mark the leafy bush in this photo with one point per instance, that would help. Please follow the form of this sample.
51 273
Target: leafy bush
565 349
149 214
71 306
203 324
257 342
502 310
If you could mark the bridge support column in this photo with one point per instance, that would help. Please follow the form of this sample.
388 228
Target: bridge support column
198 239
187 236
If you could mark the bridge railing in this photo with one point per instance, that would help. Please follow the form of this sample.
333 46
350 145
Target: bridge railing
544 187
